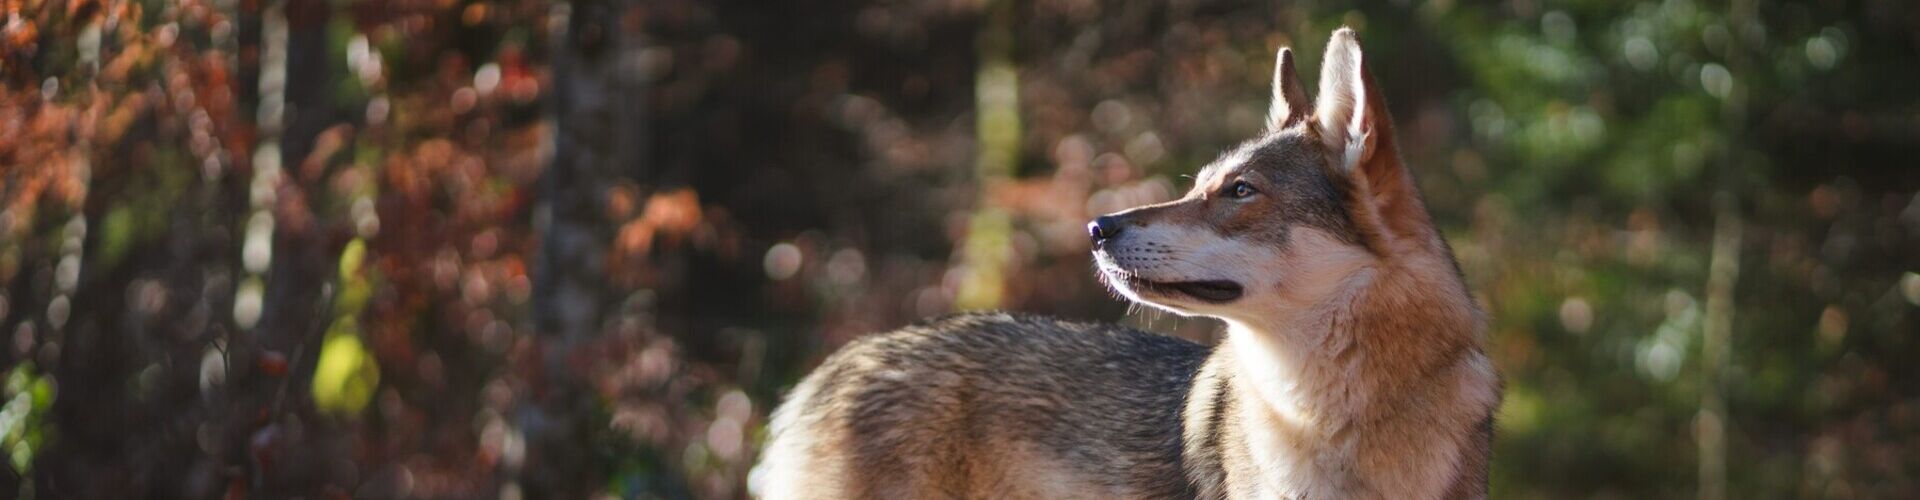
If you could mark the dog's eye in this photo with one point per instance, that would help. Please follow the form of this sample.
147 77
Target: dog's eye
1241 189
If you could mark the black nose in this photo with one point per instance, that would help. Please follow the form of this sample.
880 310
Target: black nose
1103 228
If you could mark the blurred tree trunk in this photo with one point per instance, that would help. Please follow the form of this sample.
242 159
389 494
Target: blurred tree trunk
247 46
283 453
569 277
598 137
1723 273
988 244
299 268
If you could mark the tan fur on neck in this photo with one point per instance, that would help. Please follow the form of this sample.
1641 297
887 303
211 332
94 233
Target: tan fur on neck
1354 368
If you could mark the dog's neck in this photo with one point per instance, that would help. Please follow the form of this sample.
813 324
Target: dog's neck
1346 361
1321 345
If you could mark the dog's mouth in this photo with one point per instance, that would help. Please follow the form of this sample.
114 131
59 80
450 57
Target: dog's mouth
1212 291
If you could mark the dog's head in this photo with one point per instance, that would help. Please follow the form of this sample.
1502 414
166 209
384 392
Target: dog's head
1285 221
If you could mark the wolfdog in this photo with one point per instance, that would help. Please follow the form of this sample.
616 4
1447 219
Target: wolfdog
1352 365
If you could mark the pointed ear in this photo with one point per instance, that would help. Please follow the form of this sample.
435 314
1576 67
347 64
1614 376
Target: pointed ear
1344 113
1290 103
1351 117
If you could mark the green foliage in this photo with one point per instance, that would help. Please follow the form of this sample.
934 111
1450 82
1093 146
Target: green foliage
143 213
1609 127
346 375
29 396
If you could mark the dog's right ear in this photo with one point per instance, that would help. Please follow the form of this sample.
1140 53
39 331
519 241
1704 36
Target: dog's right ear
1290 104
1351 119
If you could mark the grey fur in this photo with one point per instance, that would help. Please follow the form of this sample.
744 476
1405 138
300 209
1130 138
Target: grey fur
1102 399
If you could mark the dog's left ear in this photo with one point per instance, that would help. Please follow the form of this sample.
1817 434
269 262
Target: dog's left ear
1290 104
1351 118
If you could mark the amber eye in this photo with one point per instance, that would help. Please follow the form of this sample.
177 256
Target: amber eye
1241 189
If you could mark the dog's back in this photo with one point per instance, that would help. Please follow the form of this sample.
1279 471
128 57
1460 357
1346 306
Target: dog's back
988 406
